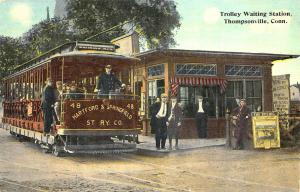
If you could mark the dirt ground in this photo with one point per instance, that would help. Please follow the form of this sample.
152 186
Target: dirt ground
24 167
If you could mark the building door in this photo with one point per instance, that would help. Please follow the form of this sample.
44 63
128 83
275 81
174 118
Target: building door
155 89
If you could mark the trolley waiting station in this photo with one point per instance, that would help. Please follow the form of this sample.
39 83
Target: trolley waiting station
88 123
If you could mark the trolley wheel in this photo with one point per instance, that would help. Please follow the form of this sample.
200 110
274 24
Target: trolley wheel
12 133
21 138
57 151
46 150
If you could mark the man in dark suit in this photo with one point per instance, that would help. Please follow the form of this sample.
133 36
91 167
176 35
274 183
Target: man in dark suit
48 101
201 117
159 111
242 115
174 121
152 113
108 82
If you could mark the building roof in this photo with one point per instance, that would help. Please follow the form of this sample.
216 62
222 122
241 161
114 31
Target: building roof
181 52
297 86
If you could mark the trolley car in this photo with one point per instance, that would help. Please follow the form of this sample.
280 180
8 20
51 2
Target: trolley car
89 123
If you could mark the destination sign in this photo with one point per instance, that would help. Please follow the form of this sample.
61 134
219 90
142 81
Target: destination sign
96 47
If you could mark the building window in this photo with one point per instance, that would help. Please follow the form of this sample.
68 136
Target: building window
241 70
249 89
234 90
196 69
254 95
188 100
156 70
155 89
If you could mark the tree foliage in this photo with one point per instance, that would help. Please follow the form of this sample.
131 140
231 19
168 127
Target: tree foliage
154 19
46 35
11 54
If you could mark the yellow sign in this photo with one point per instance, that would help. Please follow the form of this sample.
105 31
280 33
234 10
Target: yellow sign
265 131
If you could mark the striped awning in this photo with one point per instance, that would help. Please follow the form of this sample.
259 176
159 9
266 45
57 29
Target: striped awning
197 81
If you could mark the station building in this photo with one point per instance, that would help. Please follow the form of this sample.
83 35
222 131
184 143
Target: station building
220 77
295 98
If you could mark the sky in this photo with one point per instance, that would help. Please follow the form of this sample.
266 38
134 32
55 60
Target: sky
18 16
202 27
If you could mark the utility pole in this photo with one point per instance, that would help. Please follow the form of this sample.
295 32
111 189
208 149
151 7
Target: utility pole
48 15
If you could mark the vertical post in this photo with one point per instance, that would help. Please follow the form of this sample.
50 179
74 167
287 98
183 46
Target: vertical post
228 135
47 71
62 92
133 79
217 103
42 79
31 84
38 81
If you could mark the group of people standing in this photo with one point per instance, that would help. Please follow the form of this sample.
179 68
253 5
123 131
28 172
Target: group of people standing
166 120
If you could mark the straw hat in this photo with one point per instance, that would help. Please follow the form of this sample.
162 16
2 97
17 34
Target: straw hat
108 66
163 95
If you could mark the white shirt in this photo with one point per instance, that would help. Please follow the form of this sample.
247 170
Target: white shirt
172 107
200 109
163 110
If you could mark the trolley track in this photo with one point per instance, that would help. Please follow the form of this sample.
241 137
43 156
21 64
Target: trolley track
134 181
182 171
15 184
138 183
146 184
130 178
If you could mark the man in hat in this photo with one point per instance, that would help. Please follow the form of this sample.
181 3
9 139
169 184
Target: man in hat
48 100
159 111
153 112
242 115
174 121
108 82
75 92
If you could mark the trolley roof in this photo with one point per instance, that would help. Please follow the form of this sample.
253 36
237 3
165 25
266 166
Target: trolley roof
76 49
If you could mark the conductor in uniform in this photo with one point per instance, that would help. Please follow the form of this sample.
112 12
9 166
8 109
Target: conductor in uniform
48 101
108 82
